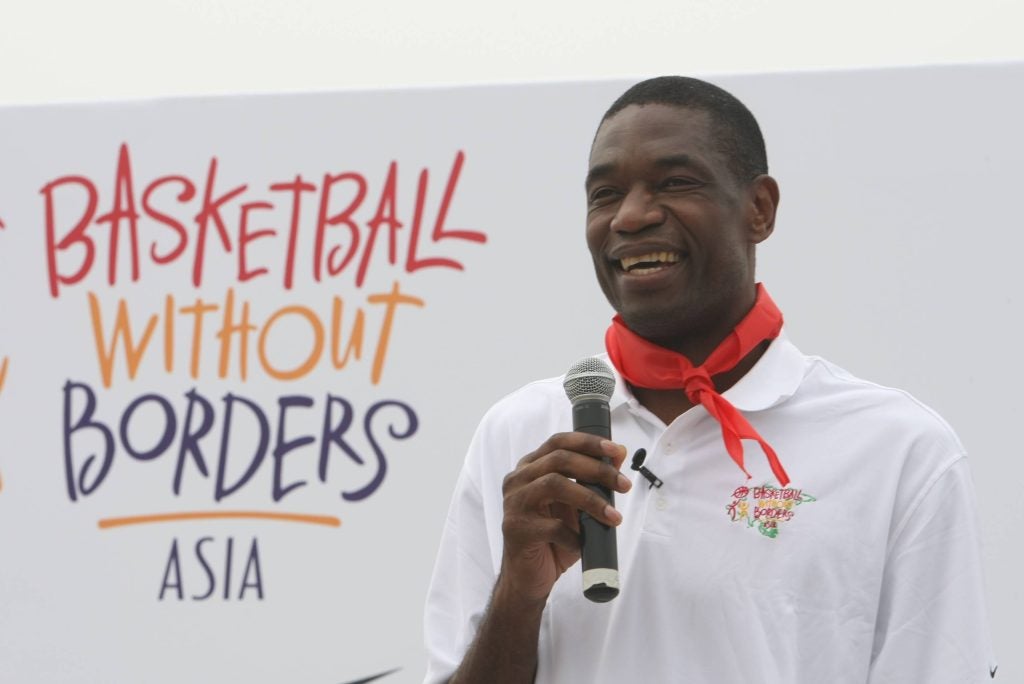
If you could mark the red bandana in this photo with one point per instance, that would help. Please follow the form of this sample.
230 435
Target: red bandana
645 364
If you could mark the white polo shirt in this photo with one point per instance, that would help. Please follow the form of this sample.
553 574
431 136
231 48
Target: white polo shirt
864 569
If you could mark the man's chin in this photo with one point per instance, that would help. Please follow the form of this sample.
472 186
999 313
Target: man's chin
658 326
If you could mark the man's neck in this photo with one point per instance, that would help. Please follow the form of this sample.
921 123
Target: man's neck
670 404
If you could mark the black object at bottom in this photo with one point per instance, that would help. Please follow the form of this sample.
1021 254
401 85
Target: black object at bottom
601 593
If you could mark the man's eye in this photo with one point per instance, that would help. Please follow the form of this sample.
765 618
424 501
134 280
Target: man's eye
677 182
601 194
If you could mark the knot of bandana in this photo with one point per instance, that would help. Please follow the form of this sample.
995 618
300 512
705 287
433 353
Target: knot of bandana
645 364
696 381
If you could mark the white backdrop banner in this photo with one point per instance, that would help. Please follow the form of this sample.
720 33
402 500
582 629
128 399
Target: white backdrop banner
244 341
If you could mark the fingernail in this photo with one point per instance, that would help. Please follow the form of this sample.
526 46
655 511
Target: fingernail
624 483
612 448
613 515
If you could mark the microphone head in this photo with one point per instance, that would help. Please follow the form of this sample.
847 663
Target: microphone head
638 459
589 377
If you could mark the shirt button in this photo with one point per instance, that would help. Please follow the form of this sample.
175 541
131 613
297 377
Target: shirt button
660 503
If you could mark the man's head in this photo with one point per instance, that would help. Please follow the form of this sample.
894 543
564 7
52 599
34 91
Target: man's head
677 198
736 131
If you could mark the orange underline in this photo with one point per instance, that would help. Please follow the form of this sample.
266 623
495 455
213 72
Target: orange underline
328 520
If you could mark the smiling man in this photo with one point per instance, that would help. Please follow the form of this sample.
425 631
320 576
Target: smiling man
811 526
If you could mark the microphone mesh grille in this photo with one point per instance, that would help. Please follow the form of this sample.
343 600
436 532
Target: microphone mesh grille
589 376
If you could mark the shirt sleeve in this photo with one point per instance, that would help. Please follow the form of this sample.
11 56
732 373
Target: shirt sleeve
465 571
932 623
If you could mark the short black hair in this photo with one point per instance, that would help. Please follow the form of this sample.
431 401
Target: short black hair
739 136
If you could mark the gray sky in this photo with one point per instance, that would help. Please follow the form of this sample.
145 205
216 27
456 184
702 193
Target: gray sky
57 50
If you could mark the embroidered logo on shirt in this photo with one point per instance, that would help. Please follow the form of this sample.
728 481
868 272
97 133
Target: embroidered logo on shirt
766 507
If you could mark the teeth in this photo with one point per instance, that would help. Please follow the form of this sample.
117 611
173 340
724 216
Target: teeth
653 257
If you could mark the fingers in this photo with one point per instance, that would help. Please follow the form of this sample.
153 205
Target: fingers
557 473
562 453
616 451
543 498
580 442
546 530
554 487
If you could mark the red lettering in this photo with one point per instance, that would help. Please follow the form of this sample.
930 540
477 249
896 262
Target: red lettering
188 191
297 187
124 208
344 218
245 237
171 237
386 204
211 211
76 235
412 263
772 513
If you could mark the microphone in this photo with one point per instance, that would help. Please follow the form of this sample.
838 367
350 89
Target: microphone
638 465
589 384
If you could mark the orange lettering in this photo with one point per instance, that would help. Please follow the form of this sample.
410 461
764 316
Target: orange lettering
122 331
355 340
311 360
199 309
390 300
229 328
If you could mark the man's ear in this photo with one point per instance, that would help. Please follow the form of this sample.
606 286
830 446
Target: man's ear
764 202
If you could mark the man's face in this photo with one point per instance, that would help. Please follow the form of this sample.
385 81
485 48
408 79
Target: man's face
671 231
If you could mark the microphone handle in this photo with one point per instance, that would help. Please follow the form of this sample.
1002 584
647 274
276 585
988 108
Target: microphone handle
598 547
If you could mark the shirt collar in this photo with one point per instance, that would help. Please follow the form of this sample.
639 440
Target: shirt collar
773 379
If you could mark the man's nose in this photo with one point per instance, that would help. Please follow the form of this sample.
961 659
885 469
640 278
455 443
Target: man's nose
637 211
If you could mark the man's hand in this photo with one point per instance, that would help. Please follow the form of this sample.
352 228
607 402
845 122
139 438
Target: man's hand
542 504
541 533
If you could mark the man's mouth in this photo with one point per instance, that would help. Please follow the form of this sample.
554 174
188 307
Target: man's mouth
648 263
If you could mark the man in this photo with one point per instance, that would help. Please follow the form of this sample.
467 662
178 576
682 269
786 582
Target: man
811 527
